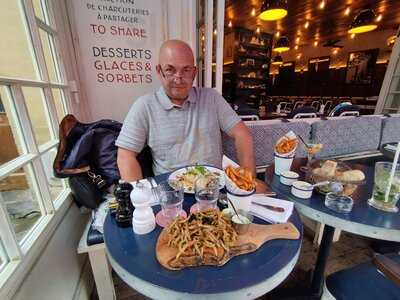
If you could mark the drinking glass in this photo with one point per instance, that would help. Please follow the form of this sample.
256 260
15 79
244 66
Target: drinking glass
382 175
312 149
171 200
206 194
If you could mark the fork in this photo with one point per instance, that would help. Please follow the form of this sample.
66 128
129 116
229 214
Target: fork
153 189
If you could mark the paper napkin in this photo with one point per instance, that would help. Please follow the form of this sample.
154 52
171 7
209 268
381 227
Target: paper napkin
267 214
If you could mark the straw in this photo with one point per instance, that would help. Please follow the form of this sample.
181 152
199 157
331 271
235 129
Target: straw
394 165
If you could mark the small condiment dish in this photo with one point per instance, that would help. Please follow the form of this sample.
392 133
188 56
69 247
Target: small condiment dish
241 224
288 177
228 213
302 189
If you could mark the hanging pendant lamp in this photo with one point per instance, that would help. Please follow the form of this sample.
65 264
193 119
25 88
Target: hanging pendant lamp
281 45
277 60
363 22
272 10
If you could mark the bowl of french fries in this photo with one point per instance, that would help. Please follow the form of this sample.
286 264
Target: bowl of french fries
285 149
239 180
286 145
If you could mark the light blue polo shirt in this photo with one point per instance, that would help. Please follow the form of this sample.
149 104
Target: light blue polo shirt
178 136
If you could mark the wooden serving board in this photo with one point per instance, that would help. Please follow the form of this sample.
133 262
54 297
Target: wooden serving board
253 239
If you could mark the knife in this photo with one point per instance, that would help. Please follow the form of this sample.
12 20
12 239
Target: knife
271 207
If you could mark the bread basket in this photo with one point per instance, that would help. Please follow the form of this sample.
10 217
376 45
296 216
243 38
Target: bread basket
349 184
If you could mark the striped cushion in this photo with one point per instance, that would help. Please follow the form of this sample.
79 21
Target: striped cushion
390 130
345 136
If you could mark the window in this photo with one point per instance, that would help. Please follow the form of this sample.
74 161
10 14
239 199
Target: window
34 97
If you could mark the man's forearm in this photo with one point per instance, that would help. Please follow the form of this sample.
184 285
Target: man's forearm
129 167
245 153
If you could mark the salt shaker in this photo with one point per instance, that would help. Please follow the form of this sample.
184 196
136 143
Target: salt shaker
143 220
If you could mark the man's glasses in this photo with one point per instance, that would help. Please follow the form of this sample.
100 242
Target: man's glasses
170 72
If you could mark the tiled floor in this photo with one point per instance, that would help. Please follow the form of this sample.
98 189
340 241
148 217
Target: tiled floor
349 251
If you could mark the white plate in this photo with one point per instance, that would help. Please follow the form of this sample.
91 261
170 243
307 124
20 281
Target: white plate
178 172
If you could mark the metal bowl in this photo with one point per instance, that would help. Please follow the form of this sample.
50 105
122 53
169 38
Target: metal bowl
240 227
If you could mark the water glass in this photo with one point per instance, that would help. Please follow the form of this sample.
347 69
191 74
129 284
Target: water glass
171 200
381 182
206 194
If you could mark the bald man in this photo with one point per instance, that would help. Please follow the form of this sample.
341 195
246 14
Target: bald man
181 124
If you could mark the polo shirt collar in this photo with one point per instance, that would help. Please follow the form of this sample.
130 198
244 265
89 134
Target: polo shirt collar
166 102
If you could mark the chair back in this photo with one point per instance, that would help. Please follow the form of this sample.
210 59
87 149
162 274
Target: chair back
349 113
285 107
299 104
316 105
328 106
339 109
304 115
249 117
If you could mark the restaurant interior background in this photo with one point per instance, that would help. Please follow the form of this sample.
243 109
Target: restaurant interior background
42 79
323 63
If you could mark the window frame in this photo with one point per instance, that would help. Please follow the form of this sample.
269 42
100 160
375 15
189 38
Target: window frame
19 257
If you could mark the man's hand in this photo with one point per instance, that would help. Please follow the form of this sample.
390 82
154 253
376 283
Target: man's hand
129 167
244 146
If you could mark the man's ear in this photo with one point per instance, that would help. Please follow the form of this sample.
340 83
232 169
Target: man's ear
194 72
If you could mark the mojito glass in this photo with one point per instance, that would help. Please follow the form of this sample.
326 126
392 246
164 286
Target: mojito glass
382 175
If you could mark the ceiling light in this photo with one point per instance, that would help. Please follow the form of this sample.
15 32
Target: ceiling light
277 34
253 12
296 47
272 10
352 35
379 18
315 43
322 5
258 30
282 45
363 22
347 11
277 60
306 25
230 24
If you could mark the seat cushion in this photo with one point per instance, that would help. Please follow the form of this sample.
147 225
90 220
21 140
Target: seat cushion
347 135
94 236
363 282
265 135
390 130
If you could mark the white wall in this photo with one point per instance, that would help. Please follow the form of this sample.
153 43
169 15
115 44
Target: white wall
106 95
57 272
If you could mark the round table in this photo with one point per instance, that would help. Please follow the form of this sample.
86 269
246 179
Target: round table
243 277
362 220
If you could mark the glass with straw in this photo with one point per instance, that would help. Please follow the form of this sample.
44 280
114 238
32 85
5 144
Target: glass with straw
386 192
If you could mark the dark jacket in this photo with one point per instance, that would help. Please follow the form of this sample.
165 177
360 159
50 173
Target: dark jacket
91 146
